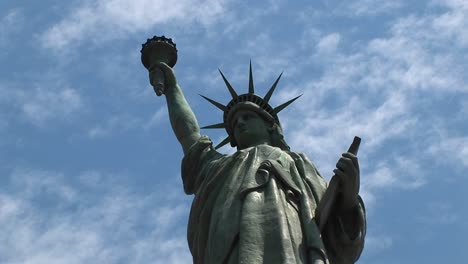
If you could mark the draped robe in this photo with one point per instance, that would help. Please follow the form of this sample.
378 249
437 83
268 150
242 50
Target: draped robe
242 215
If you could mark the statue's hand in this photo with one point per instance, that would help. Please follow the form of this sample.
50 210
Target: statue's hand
170 80
347 168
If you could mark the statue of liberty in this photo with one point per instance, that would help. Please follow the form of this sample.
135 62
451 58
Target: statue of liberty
260 204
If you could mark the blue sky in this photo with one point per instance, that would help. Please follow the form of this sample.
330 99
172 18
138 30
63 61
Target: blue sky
90 169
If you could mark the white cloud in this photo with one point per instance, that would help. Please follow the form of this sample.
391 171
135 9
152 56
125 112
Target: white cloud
416 56
328 133
159 116
115 124
124 122
454 23
328 43
453 4
400 171
369 7
9 24
453 149
360 8
438 213
464 109
45 102
36 183
102 222
422 52
8 206
391 173
382 177
102 20
377 243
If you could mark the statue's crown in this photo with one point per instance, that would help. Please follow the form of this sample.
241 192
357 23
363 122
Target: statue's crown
249 101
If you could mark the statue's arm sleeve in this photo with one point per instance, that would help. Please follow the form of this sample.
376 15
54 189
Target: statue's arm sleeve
344 234
197 163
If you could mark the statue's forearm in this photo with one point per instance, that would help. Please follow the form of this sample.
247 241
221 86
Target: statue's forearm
183 120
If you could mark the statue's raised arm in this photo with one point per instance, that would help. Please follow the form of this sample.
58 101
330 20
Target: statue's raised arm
183 120
159 55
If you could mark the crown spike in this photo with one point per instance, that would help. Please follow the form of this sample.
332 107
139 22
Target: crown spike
251 85
272 89
284 105
219 105
224 142
229 86
219 125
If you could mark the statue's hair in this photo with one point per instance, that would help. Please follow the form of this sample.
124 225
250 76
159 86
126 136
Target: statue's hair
277 137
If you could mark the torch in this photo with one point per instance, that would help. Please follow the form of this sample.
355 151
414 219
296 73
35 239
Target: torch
155 50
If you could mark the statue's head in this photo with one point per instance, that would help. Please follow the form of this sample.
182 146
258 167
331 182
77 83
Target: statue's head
249 120
253 127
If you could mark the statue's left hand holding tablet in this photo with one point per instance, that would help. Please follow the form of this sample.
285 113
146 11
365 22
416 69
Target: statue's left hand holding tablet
347 169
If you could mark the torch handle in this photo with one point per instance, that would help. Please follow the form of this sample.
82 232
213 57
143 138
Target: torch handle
158 81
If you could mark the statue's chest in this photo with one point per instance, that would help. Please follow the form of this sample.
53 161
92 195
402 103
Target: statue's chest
253 157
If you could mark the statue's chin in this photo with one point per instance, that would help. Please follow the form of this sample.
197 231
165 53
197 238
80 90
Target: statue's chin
247 139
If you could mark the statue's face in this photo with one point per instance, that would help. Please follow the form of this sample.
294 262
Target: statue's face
250 129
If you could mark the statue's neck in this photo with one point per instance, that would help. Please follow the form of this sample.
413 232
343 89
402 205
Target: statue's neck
254 145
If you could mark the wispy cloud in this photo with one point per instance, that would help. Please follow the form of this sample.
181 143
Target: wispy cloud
454 23
123 122
113 125
377 243
104 20
159 116
41 103
47 219
394 172
438 213
452 4
369 7
454 149
10 23
328 43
